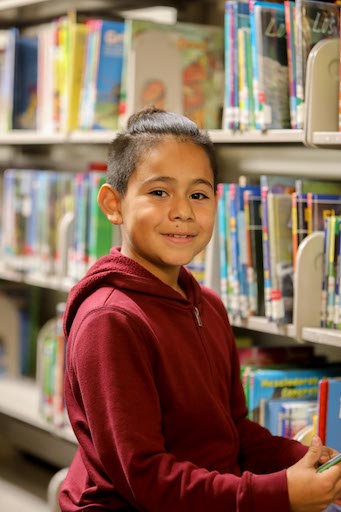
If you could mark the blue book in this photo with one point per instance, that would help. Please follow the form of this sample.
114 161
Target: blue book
25 83
109 74
290 383
333 430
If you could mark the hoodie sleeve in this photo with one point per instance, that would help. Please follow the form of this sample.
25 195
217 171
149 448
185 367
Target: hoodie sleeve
118 422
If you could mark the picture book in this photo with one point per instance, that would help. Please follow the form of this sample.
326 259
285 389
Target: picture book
255 270
337 309
281 262
78 40
100 229
322 409
287 417
236 20
290 26
332 262
315 20
273 184
321 206
102 77
273 78
333 424
7 70
285 383
25 83
185 74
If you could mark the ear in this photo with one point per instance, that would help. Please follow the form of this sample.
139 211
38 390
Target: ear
109 200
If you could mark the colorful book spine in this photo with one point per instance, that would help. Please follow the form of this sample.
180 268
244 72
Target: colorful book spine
289 12
337 311
332 255
266 253
222 243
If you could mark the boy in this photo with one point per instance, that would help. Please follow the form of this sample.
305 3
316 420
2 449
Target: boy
152 380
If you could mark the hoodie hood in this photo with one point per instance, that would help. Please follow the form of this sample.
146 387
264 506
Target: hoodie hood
124 273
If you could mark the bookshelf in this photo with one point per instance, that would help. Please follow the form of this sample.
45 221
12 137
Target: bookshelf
253 152
31 137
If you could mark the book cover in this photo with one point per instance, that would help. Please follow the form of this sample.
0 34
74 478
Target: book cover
273 184
290 22
322 409
281 262
25 83
287 417
109 75
78 40
255 269
315 21
7 71
185 74
288 383
100 229
273 78
333 427
332 260
337 312
222 242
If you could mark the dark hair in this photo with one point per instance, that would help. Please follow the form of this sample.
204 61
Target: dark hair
145 129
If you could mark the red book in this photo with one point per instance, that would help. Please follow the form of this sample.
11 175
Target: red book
322 409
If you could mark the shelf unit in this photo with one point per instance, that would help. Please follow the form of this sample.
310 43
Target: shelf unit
31 137
19 398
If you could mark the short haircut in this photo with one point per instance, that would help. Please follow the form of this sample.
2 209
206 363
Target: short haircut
145 129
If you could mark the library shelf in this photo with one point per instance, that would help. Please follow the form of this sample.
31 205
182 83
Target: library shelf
19 399
51 282
31 137
256 136
23 426
13 4
330 337
262 324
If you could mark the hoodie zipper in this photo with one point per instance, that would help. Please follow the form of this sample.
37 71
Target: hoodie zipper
197 316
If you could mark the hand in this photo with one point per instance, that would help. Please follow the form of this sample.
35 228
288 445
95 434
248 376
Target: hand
310 491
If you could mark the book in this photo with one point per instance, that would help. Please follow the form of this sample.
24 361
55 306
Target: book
273 78
281 262
25 83
222 217
315 20
185 74
287 417
102 76
100 238
289 383
322 409
333 426
290 26
273 184
255 269
7 70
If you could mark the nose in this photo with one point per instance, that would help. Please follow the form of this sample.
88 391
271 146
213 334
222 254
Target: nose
181 209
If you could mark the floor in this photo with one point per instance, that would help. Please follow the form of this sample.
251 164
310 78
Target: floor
23 481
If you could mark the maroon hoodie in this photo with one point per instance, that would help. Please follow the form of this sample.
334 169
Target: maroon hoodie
155 399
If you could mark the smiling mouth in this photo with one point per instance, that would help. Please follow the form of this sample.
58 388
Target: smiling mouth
179 236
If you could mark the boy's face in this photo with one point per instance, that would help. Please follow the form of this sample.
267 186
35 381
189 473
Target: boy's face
168 210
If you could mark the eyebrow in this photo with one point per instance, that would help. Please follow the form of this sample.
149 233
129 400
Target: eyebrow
169 179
